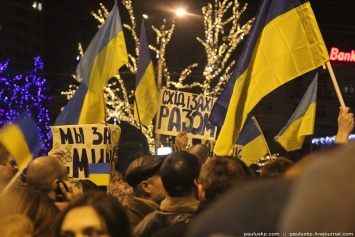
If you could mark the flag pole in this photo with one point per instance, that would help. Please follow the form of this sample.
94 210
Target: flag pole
17 175
139 118
335 83
262 134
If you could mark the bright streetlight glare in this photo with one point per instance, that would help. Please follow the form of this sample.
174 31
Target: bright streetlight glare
145 16
180 12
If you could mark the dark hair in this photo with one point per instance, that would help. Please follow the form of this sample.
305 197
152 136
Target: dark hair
107 207
275 168
219 174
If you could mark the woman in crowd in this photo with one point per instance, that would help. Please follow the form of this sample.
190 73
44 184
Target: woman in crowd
93 214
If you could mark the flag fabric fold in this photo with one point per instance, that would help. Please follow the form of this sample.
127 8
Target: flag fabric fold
100 173
20 138
105 55
301 123
253 142
284 43
146 94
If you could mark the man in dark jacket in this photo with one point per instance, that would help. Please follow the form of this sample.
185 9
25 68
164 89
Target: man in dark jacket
148 191
179 172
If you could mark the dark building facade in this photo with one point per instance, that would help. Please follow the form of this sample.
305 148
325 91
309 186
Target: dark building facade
21 32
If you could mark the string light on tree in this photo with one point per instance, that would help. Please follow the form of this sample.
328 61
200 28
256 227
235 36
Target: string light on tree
25 92
223 33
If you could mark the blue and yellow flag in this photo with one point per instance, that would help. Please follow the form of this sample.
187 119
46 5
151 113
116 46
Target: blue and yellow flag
301 124
100 173
253 142
284 43
21 140
146 94
105 55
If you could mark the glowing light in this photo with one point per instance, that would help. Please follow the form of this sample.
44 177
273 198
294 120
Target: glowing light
328 140
25 92
337 55
145 16
37 6
180 12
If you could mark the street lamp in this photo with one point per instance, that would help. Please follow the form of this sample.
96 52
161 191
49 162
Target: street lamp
180 12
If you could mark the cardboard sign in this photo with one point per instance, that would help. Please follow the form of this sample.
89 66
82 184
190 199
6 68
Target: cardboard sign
181 111
84 145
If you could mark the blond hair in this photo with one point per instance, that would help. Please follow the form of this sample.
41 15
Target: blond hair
16 225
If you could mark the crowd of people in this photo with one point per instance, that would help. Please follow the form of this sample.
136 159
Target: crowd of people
185 193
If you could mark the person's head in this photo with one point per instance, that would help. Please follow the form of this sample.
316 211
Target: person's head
179 173
36 205
7 166
44 172
103 214
16 225
275 168
143 175
219 174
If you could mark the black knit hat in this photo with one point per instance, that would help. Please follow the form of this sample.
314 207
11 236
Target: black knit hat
178 171
142 168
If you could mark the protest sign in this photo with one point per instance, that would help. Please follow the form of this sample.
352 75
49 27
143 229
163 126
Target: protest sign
181 111
84 145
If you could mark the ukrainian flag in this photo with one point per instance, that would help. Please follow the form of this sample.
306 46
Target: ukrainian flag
253 142
105 55
100 173
301 124
146 94
284 43
21 140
